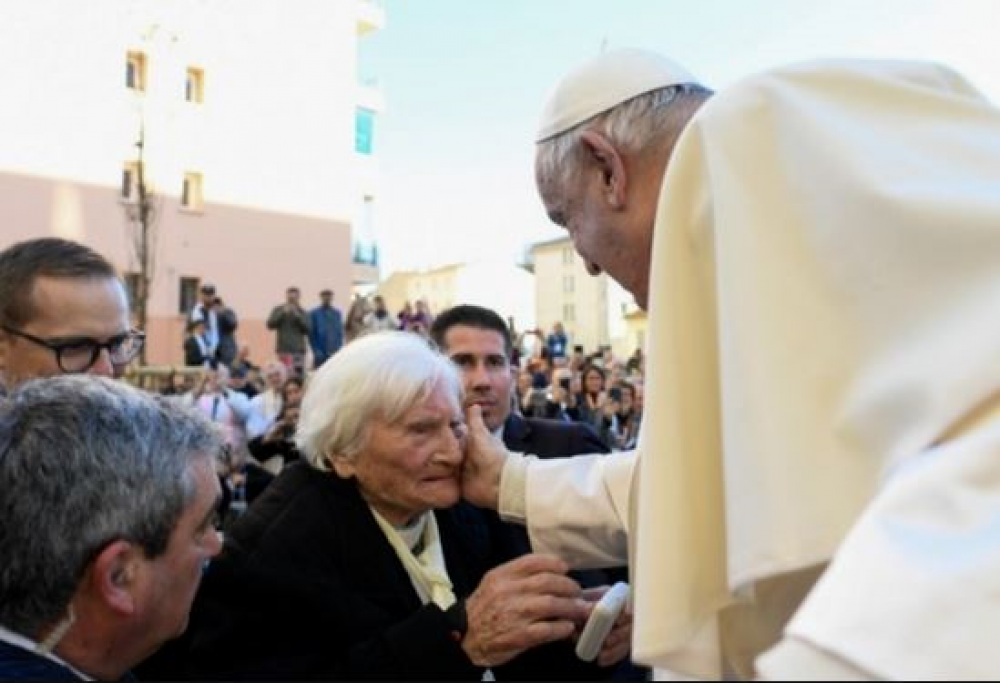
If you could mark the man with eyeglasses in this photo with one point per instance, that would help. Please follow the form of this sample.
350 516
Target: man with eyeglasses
63 310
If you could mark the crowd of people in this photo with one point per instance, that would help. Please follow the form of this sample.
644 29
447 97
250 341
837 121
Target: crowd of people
258 407
811 492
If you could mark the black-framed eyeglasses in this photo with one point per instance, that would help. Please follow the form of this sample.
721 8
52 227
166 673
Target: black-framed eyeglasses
79 354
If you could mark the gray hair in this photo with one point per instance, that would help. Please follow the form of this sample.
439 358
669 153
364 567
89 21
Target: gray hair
642 122
378 377
85 461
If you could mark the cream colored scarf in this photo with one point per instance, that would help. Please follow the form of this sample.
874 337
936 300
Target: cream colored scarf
427 569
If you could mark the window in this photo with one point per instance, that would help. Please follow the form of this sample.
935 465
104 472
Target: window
569 313
569 284
130 182
132 289
191 194
135 71
567 254
364 130
365 247
188 294
194 85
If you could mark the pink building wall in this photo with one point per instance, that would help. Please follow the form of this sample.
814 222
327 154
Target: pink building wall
250 255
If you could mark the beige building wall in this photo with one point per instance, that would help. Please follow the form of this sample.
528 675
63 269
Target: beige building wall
503 287
438 287
273 142
565 292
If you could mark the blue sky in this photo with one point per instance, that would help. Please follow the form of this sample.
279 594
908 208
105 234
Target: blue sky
464 81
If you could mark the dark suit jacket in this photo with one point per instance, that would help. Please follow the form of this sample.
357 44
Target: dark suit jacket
550 438
308 587
18 664
192 353
556 439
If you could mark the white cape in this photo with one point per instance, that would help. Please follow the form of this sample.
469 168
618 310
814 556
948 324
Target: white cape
825 307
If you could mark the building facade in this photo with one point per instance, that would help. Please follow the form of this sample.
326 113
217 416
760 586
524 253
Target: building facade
595 311
565 292
243 122
506 288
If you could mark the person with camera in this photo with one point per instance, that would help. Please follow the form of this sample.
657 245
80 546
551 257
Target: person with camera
213 398
279 440
291 325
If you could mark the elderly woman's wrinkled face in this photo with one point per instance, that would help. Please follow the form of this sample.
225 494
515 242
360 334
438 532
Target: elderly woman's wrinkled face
413 465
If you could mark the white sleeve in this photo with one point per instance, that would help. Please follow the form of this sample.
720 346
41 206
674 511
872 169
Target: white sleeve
576 508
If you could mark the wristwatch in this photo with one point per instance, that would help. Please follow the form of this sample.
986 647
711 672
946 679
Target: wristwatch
458 622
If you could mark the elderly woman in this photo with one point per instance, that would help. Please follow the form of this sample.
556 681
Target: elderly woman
360 562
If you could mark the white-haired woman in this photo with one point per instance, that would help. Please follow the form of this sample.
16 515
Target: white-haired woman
361 562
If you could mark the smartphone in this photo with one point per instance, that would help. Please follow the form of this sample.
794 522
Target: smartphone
616 394
578 348
564 383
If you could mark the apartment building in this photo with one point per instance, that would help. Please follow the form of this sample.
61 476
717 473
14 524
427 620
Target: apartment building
242 124
594 310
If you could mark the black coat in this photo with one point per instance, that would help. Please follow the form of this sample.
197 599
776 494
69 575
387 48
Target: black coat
193 355
307 586
550 438
17 664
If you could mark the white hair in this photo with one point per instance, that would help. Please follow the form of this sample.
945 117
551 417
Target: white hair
378 377
639 123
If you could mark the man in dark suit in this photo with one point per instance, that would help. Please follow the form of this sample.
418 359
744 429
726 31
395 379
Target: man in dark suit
478 341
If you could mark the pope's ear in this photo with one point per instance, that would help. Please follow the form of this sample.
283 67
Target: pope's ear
608 162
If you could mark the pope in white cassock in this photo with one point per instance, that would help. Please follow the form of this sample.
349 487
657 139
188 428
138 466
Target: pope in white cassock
816 491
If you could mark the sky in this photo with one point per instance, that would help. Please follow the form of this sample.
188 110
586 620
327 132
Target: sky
465 80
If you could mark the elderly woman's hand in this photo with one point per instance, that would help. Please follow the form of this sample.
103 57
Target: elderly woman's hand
519 605
484 460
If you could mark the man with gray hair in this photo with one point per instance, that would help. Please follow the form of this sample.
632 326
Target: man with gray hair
63 309
107 500
818 250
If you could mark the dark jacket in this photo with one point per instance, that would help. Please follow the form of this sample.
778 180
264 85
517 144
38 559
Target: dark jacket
226 352
550 438
291 327
193 353
308 587
18 664
326 332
